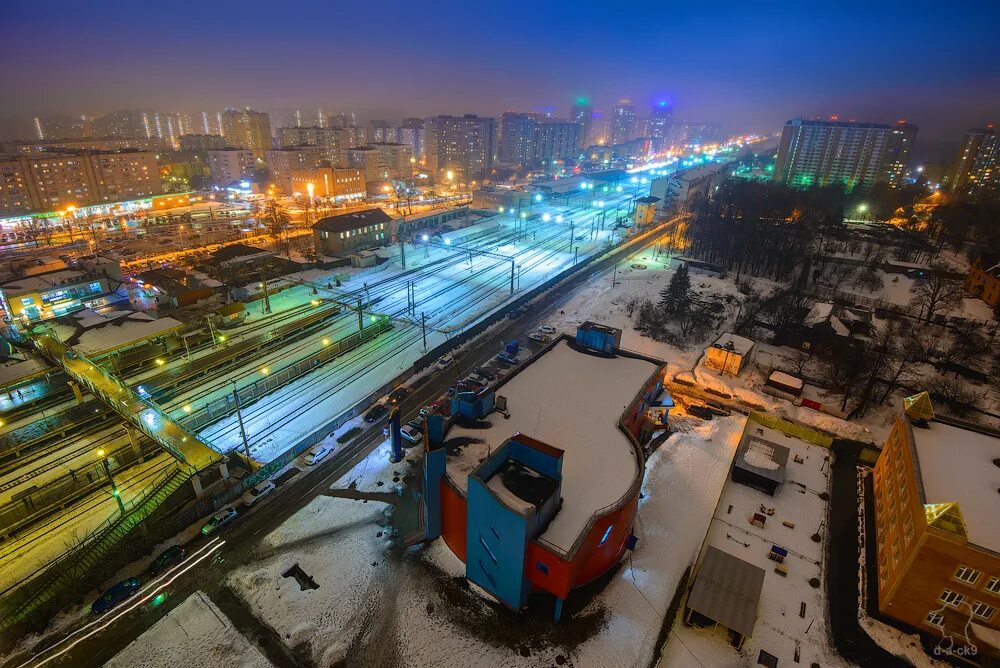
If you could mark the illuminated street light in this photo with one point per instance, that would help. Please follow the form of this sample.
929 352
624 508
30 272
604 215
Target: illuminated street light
160 362
538 197
559 219
425 238
546 217
326 342
500 209
523 215
264 370
447 242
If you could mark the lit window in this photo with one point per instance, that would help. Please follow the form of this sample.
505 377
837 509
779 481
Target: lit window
993 586
966 574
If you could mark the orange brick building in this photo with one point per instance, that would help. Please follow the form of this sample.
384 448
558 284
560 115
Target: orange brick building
937 519
984 283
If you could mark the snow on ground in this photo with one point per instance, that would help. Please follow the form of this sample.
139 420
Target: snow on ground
195 633
556 401
338 543
780 630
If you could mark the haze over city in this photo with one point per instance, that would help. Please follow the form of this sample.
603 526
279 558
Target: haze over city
747 66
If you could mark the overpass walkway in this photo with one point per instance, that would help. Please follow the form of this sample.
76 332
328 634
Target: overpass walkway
143 414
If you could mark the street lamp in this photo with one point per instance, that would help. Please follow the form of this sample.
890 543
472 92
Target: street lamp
114 488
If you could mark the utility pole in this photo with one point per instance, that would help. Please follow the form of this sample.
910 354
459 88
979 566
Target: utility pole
114 488
512 276
243 431
572 227
267 301
402 252
361 318
423 328
614 276
211 330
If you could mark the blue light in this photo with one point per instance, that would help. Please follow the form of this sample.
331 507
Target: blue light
546 217
447 242
425 238
538 197
607 533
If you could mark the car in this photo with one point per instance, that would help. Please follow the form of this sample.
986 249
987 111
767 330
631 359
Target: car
638 265
376 413
219 520
316 454
417 423
538 337
257 492
486 372
476 379
398 395
515 313
444 361
165 560
547 329
442 406
460 386
700 411
115 595
506 359
410 434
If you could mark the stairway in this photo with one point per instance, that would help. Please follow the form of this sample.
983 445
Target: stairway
61 575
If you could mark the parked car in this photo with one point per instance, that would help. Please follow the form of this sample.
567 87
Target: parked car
486 372
417 423
219 520
257 492
398 395
547 329
460 386
165 560
376 413
441 406
506 359
700 411
515 313
476 380
538 337
317 454
115 595
444 361
411 434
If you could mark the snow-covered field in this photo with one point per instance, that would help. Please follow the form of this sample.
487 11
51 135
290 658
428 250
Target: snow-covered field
195 633
780 630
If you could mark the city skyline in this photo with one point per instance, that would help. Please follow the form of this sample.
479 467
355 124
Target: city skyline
780 64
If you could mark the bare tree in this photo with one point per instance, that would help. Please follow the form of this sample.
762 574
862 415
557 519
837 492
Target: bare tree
934 293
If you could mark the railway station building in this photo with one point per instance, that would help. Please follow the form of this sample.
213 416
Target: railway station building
348 232
534 483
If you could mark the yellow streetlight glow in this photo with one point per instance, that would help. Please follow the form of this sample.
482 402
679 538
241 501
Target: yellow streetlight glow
100 453
187 408
160 362
326 342
450 175
265 370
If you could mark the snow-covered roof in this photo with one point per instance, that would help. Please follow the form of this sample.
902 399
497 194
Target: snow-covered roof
44 281
820 312
839 328
785 379
572 401
735 343
123 331
956 465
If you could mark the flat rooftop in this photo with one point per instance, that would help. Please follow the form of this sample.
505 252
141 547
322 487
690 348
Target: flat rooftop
572 401
956 465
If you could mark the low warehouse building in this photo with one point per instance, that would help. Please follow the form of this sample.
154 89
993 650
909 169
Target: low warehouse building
729 354
545 498
726 591
760 464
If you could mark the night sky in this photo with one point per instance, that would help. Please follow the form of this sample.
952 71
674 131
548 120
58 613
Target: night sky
744 64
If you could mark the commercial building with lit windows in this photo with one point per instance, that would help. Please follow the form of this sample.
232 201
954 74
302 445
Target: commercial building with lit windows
534 483
977 166
937 528
352 231
854 155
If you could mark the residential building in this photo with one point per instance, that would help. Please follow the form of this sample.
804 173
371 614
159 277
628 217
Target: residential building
247 129
936 541
85 144
201 142
383 131
229 165
55 180
582 113
984 282
332 141
236 264
281 162
352 231
367 159
124 123
394 159
529 139
977 165
622 122
854 155
660 121
412 134
465 145
337 183
61 127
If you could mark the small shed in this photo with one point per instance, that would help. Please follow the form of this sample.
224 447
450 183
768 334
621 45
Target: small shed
599 338
786 383
231 314
729 353
760 464
727 591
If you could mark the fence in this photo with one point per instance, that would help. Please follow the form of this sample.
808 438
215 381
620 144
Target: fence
792 429
220 408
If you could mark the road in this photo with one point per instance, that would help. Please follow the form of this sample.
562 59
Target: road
241 538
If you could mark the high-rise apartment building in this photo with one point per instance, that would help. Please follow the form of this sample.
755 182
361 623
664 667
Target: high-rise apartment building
466 145
331 140
622 122
977 166
855 155
247 129
61 127
383 131
338 183
281 162
582 113
412 133
229 165
529 140
200 142
660 120
52 181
